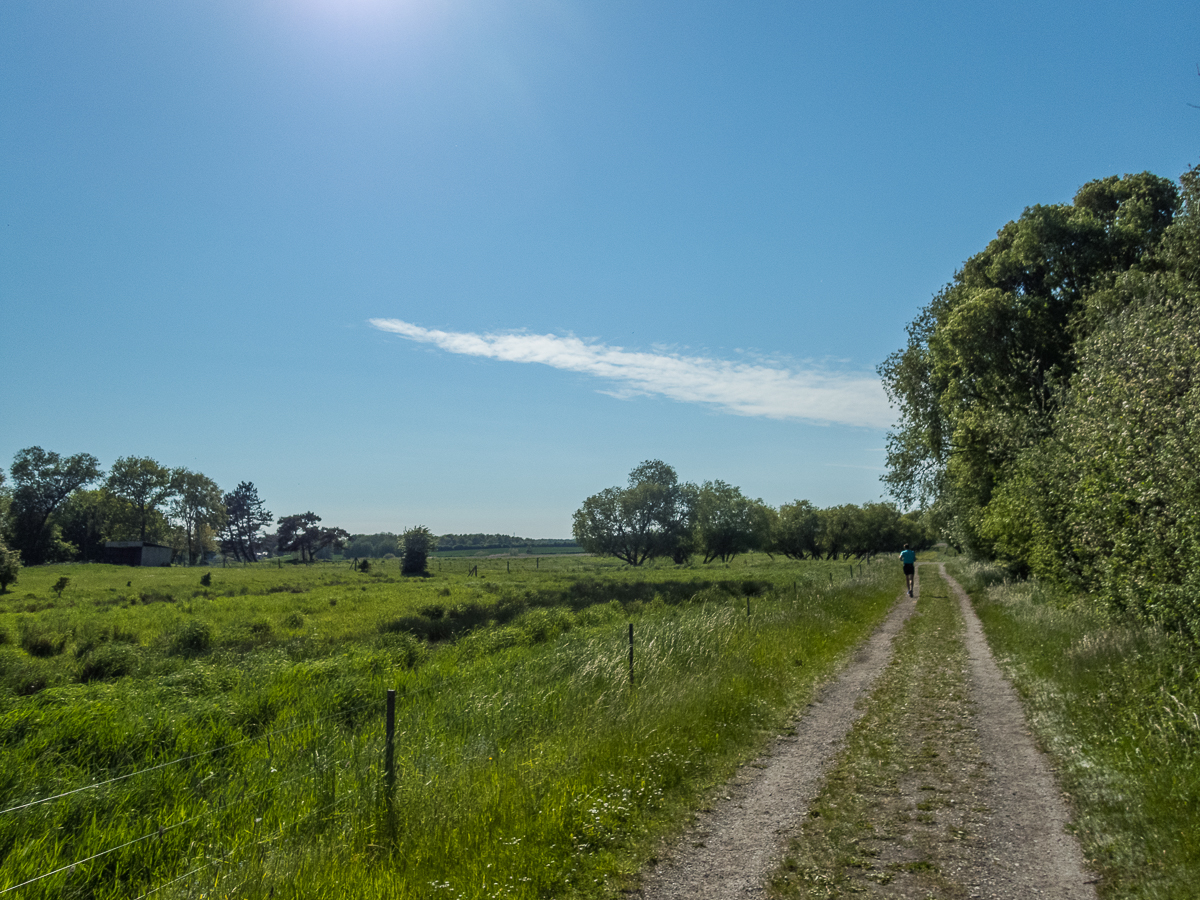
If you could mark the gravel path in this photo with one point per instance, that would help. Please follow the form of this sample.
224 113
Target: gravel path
730 850
1023 851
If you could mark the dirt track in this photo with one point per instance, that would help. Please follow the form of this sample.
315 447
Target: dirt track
1021 848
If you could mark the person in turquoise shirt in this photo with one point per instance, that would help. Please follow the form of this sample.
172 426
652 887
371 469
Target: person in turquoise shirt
910 567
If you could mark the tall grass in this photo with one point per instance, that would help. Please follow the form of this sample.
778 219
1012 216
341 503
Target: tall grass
1117 703
526 764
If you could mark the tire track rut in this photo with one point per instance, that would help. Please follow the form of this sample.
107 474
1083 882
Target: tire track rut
1015 842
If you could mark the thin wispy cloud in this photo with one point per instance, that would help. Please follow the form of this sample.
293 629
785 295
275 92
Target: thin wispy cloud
742 388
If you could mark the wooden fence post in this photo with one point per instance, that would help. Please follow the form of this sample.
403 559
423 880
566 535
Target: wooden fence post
389 745
631 654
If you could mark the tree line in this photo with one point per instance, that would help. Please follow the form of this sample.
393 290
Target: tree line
657 515
1049 398
55 508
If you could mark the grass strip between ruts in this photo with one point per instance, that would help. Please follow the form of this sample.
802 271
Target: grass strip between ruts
901 805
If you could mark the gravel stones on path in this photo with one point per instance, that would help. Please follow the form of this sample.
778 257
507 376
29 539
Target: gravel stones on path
732 847
913 775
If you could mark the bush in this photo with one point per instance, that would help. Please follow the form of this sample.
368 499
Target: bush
10 564
206 579
418 543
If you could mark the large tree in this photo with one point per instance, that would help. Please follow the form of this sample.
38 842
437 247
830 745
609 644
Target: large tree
729 523
42 480
651 516
144 484
301 533
795 530
989 360
198 509
247 516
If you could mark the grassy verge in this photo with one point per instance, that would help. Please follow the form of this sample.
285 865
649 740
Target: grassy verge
900 803
526 766
1117 704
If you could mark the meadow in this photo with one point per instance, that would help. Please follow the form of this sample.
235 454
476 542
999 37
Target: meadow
164 736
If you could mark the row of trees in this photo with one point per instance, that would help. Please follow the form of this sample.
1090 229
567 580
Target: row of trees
1050 397
51 512
656 515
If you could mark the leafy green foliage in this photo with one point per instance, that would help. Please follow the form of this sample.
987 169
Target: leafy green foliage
246 515
144 484
728 523
301 532
649 518
10 565
199 510
42 480
1049 408
418 543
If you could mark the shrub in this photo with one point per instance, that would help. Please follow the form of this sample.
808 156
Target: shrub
206 579
60 586
10 564
418 543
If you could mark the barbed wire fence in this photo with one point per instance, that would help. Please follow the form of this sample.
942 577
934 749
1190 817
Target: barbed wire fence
218 845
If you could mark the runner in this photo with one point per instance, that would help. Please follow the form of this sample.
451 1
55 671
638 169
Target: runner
910 567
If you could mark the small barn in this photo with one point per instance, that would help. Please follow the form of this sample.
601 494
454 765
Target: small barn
137 553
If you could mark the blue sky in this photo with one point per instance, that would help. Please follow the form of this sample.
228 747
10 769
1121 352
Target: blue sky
463 263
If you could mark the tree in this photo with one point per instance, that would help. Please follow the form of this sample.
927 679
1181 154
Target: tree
144 484
301 532
198 508
839 530
418 543
88 518
729 523
41 481
989 360
296 532
246 517
650 517
795 530
10 565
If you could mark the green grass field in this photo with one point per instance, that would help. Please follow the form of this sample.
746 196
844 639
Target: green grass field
227 740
